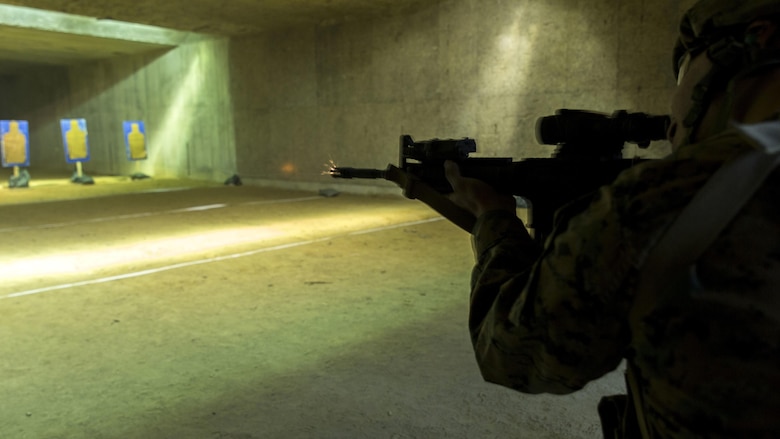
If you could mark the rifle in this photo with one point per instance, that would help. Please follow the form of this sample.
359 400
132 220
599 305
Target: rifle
588 155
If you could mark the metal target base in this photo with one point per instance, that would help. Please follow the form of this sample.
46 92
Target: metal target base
139 176
82 179
19 181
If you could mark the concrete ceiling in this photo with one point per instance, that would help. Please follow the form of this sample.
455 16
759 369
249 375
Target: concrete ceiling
21 47
28 37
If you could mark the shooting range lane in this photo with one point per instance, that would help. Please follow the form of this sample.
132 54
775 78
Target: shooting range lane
151 231
359 332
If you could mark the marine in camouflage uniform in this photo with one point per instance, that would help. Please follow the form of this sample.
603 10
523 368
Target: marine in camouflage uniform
551 320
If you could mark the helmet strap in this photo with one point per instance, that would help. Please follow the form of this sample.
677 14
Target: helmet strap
728 57
732 60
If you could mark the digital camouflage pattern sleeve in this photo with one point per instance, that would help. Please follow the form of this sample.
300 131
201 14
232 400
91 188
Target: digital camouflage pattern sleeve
551 320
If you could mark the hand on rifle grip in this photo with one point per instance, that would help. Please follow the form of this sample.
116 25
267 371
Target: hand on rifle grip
475 195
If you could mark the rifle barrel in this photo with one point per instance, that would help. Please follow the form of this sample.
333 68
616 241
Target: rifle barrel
345 172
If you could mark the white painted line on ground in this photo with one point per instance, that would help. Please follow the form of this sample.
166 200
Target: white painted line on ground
210 260
165 189
287 200
148 214
198 208
379 229
84 221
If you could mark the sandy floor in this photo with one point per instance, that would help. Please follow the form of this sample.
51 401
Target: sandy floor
177 309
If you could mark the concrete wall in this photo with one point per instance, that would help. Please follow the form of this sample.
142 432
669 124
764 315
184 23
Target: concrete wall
37 95
181 95
485 69
278 107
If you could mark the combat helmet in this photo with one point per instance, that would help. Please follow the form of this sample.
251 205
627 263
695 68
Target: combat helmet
718 27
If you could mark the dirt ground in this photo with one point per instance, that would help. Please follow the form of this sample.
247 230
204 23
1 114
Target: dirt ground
181 309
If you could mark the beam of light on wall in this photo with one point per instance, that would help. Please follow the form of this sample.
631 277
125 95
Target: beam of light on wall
169 145
504 75
506 64
30 18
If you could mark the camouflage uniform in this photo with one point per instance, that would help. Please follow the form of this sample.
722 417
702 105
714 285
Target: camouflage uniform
553 319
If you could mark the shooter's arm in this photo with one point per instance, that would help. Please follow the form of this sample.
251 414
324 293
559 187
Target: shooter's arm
414 188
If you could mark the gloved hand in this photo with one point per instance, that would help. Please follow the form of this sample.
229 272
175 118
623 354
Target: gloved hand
475 195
